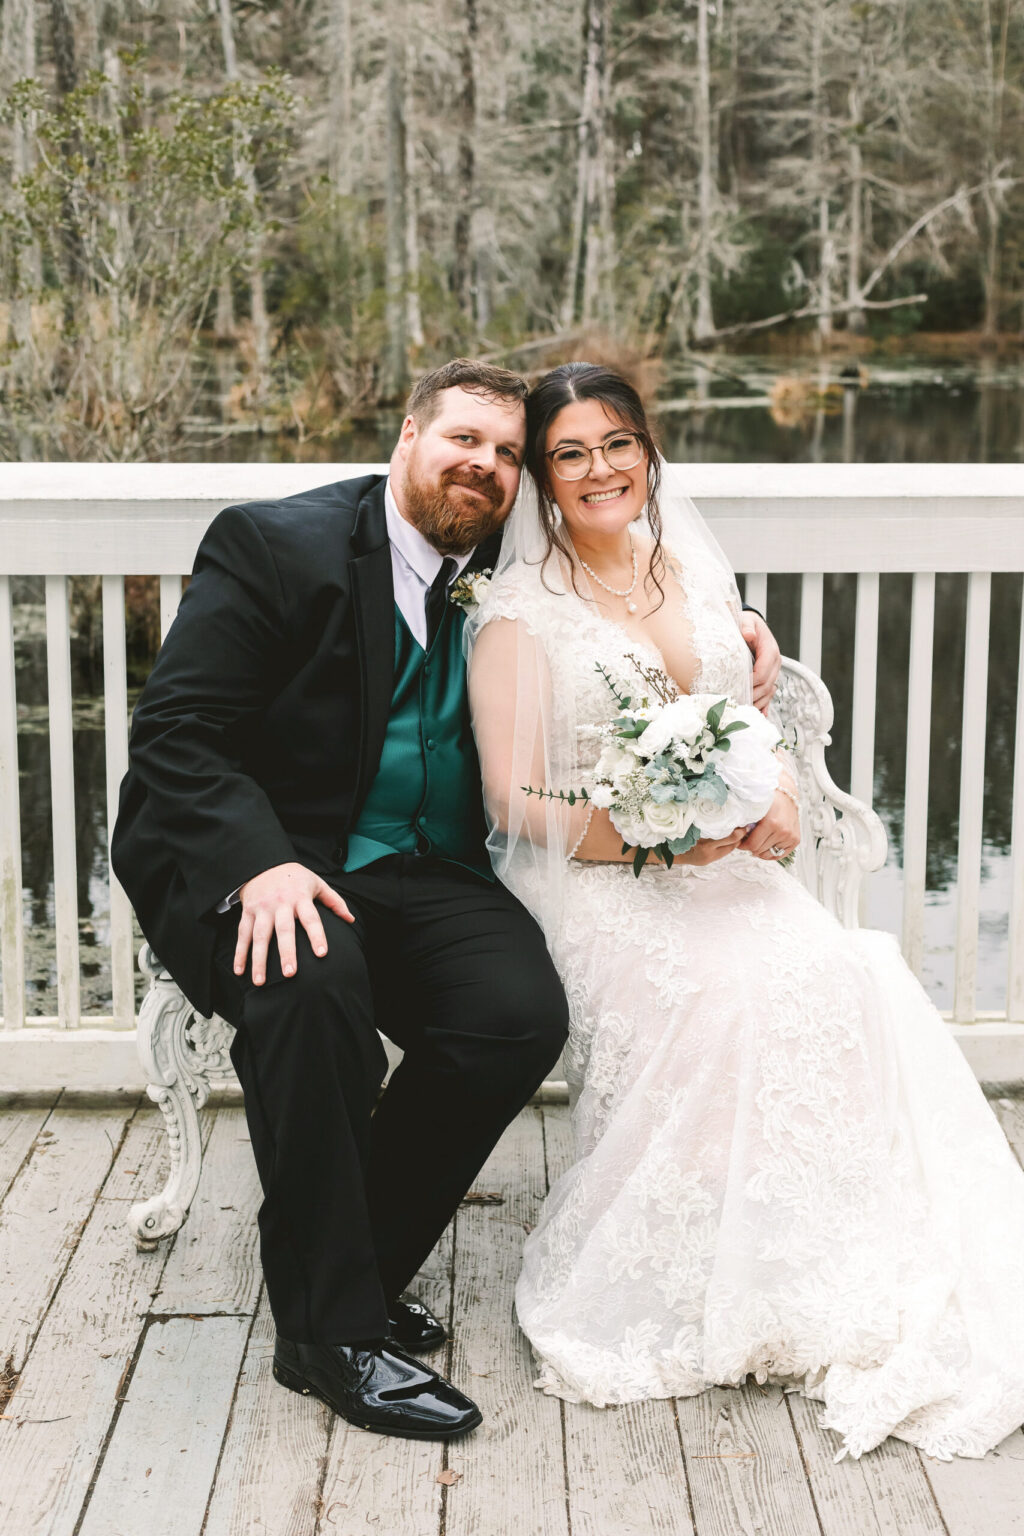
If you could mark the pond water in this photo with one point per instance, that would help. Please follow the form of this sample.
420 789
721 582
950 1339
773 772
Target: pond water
749 408
906 410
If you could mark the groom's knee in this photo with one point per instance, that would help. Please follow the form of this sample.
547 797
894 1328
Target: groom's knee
527 1023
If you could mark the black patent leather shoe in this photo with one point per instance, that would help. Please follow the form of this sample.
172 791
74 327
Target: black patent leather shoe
413 1326
376 1387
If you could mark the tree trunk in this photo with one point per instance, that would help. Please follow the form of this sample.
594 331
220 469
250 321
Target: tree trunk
463 262
339 96
826 253
413 316
590 251
995 79
19 62
257 291
396 363
63 47
705 320
224 318
63 36
597 238
855 317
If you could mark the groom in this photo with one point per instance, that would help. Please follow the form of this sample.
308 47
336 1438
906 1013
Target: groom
302 836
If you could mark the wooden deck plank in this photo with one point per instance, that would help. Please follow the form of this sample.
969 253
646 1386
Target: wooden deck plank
214 1265
744 1465
21 1120
983 1497
1010 1114
885 1493
278 1446
270 1470
43 1213
57 1421
373 1480
159 1466
512 1466
624 1466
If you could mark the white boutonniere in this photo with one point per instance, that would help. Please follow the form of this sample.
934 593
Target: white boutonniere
471 589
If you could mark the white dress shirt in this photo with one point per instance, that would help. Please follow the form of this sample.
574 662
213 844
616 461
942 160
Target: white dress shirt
414 564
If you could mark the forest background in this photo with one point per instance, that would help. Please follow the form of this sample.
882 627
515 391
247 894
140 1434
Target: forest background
342 195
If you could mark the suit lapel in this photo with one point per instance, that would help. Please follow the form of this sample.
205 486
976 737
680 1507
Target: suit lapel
373 601
485 556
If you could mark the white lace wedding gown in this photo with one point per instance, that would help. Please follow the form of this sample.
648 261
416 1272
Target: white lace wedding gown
785 1167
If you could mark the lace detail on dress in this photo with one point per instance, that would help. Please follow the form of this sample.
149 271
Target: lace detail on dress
784 1167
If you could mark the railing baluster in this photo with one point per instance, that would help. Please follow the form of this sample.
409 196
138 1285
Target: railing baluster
865 669
1015 989
756 592
12 933
915 800
972 791
115 729
62 790
811 595
170 597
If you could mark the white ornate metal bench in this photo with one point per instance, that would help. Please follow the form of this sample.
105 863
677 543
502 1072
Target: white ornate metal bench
184 1055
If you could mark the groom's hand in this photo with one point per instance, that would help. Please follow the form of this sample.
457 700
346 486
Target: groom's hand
767 657
270 904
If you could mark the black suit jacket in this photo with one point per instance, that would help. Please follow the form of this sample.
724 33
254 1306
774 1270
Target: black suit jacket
260 729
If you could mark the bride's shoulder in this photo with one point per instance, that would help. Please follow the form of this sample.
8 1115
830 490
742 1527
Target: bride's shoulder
520 591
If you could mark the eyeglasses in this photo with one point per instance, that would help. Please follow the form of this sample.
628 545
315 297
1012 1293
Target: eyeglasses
623 451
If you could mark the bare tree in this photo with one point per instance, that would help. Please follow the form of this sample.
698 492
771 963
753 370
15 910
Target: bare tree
396 368
591 255
18 60
463 262
705 320
257 290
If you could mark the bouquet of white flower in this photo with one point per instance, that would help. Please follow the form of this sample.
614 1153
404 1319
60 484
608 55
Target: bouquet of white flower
680 768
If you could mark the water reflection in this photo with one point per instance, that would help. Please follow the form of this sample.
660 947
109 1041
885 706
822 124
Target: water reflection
904 411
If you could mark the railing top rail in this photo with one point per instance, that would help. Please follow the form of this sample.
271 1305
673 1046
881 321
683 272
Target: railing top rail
146 519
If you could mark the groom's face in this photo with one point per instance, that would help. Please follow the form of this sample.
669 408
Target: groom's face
455 477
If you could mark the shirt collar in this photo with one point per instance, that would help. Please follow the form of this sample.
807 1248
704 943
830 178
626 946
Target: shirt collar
421 557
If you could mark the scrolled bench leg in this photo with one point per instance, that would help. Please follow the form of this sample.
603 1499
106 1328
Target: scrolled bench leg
163 1214
180 1052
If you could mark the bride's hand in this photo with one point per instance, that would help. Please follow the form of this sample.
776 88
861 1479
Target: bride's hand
709 849
779 830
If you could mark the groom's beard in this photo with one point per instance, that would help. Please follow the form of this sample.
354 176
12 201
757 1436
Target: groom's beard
454 523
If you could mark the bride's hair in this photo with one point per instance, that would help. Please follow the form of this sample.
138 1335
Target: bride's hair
551 394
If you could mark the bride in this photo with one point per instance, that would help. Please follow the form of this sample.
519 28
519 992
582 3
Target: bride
784 1167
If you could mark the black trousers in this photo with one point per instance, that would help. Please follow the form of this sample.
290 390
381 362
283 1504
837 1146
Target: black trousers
455 971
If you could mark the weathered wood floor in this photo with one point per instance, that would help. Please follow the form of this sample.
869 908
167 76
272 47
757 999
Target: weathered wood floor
136 1397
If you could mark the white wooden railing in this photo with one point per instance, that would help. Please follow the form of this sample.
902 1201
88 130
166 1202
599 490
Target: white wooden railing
60 520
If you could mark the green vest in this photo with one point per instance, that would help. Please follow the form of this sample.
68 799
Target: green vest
426 795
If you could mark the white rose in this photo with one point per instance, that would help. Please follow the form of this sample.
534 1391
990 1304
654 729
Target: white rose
602 797
751 771
679 721
667 821
479 586
615 762
633 832
757 725
714 819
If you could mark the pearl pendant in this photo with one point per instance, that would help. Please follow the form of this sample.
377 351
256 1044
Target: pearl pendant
631 607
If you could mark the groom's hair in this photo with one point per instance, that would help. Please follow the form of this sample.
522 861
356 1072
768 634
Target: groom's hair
464 373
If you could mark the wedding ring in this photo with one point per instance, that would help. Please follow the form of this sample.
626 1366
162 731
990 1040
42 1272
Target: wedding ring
777 852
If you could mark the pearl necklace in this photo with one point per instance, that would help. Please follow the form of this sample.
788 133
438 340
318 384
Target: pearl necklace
615 591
